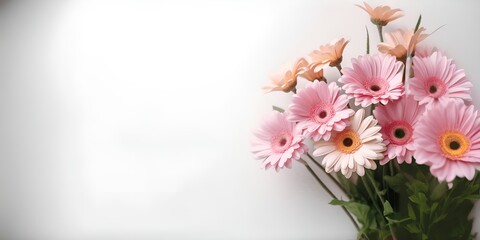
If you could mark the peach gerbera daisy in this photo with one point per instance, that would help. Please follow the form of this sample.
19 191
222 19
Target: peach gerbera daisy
447 139
436 79
354 149
311 74
286 79
401 43
320 109
373 79
381 15
398 120
329 54
278 142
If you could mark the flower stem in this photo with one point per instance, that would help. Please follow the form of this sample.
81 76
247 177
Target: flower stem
328 174
370 194
382 200
339 67
380 30
332 195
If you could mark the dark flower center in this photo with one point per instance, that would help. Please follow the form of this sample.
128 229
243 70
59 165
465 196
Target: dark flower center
454 145
399 133
347 142
322 114
283 141
375 88
432 89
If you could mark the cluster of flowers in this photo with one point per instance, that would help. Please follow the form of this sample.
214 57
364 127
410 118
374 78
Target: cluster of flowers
420 102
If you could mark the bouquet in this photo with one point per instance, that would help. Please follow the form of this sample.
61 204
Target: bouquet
396 132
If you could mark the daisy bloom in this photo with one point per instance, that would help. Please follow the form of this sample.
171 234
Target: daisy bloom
277 142
311 74
398 120
373 79
286 79
330 54
320 109
447 139
381 15
401 43
437 79
426 51
354 149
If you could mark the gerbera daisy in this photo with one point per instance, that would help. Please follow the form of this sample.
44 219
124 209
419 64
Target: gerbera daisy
286 79
354 149
398 120
381 15
426 51
329 54
401 43
319 109
373 79
277 142
310 73
437 79
447 139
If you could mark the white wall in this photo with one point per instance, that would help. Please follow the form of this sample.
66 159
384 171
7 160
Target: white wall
132 119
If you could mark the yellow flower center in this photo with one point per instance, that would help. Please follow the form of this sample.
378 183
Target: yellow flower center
347 141
453 144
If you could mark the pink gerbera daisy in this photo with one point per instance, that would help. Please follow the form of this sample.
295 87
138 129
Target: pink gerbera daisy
447 139
373 79
398 120
319 109
437 79
277 142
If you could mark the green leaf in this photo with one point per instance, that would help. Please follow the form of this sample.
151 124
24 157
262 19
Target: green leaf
439 191
360 210
278 109
412 228
473 197
418 186
397 182
434 207
424 236
418 23
394 220
387 208
411 213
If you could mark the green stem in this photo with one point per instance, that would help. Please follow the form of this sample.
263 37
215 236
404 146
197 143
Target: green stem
408 176
381 199
332 195
328 174
370 194
380 30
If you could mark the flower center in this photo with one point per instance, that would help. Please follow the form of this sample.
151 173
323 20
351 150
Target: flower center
454 144
435 87
376 86
281 142
347 141
321 113
398 132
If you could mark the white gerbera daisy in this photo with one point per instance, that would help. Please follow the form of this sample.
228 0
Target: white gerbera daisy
353 149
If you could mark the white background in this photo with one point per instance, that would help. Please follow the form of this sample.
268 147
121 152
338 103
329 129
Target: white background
132 119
